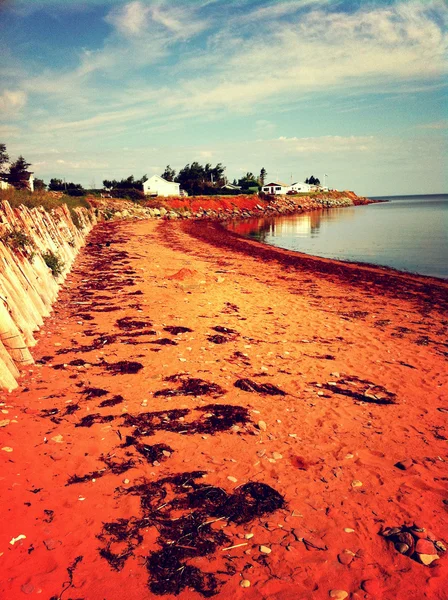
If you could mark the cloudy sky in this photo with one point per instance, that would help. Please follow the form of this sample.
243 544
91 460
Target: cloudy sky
356 89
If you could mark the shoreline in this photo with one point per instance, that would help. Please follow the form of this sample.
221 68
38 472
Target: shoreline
239 366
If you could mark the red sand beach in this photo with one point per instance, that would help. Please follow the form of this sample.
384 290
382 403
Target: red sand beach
207 413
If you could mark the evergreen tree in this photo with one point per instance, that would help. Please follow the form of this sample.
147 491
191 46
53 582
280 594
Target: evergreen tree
19 175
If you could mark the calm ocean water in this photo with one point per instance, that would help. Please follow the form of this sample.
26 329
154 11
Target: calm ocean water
409 233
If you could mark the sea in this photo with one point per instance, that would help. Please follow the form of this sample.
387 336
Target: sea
408 233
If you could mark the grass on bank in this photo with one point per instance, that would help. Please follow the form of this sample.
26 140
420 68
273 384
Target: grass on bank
41 198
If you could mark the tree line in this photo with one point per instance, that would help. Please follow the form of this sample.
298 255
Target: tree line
194 178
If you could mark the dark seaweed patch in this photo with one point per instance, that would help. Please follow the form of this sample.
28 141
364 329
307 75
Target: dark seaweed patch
85 317
260 388
186 536
218 339
112 402
226 330
92 392
129 324
362 390
217 418
164 342
156 452
111 467
124 367
193 387
90 420
78 362
176 330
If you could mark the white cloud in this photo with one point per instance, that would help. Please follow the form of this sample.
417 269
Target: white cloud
443 124
11 101
328 144
130 19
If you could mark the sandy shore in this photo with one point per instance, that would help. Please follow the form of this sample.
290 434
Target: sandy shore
193 389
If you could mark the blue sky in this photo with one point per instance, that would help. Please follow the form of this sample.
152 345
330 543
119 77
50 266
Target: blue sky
95 90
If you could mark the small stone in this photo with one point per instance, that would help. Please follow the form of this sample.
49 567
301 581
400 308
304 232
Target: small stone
348 456
427 559
404 464
262 426
277 455
126 481
166 453
401 548
245 583
425 547
356 483
349 530
372 586
58 439
338 594
27 588
265 550
440 546
4 423
7 449
345 558
249 536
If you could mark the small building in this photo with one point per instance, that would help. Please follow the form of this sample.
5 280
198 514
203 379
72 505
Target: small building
4 185
157 186
300 187
276 188
229 187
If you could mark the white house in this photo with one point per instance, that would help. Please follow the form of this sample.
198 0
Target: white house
157 186
301 187
4 185
276 188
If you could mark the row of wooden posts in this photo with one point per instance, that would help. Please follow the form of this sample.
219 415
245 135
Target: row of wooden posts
28 287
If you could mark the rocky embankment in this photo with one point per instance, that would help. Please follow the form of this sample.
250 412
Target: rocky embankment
241 207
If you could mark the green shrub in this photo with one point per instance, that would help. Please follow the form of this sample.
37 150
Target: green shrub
53 262
17 240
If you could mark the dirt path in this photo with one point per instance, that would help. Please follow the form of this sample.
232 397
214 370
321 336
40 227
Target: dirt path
198 398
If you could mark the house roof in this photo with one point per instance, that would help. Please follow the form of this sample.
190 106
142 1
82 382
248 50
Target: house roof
276 183
158 178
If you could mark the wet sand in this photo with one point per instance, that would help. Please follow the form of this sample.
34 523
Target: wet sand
193 388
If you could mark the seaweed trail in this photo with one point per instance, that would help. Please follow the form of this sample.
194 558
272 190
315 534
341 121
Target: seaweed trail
215 418
153 454
130 324
229 335
174 330
260 388
68 584
92 392
191 387
90 420
118 399
124 367
111 467
182 509
361 389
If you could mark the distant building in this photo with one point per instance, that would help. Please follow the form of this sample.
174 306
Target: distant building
276 188
28 179
229 187
157 186
301 187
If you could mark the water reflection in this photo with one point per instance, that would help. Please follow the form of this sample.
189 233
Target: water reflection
408 234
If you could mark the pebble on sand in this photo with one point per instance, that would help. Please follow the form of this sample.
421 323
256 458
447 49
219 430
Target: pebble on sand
338 594
265 550
262 426
356 483
404 464
245 583
232 479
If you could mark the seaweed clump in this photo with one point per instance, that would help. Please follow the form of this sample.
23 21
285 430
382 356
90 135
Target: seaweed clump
124 367
192 387
261 388
182 509
175 330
